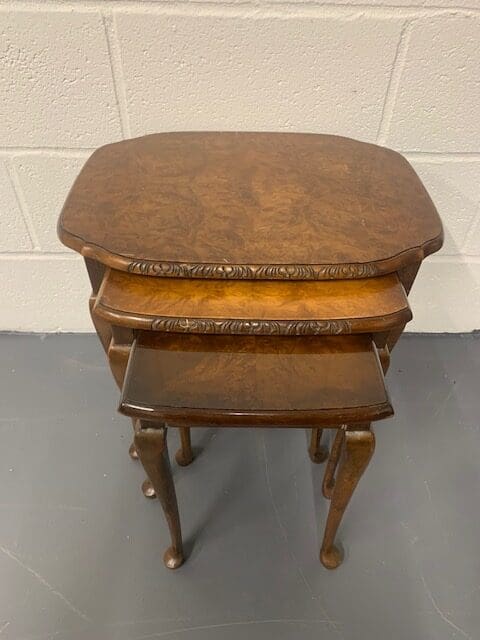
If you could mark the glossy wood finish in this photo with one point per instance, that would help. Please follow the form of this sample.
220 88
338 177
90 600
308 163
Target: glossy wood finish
242 307
117 352
332 361
132 452
250 206
333 458
151 445
184 455
211 214
248 380
243 380
357 450
96 272
317 452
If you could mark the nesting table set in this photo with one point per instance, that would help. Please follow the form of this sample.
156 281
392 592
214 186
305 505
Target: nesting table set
250 280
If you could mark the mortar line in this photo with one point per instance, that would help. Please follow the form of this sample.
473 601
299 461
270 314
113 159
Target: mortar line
394 82
471 230
9 152
22 204
459 258
204 7
38 255
437 157
116 67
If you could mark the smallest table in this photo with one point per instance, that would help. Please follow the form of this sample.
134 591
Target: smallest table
195 380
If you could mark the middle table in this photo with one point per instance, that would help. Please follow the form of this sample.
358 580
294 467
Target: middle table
252 307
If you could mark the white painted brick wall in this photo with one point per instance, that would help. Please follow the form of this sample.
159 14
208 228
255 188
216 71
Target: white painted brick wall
76 74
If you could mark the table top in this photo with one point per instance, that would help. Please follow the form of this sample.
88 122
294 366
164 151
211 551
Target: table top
252 307
247 380
250 206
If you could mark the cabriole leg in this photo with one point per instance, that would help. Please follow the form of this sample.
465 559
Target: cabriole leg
132 450
357 450
329 477
184 455
151 445
316 451
118 352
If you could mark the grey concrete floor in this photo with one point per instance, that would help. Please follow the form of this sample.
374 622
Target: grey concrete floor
81 549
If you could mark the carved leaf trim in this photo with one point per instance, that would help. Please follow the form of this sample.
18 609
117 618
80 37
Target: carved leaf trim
252 272
252 327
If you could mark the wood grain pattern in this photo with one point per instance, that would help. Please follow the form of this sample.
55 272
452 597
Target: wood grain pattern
250 206
247 380
198 209
259 308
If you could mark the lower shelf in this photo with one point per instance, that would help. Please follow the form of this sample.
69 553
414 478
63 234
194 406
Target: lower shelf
247 380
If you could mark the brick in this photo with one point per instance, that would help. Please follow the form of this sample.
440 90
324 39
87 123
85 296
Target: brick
440 294
204 72
437 102
46 182
44 295
454 189
14 236
56 85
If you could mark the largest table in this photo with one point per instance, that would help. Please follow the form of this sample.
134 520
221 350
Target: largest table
289 236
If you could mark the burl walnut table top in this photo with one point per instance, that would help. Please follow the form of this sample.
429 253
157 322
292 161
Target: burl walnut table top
250 206
253 380
252 307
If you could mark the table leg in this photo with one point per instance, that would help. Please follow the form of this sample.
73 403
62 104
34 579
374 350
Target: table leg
118 355
116 343
357 450
316 451
329 477
151 445
132 452
103 329
184 455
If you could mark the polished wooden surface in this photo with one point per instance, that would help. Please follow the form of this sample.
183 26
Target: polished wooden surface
184 455
247 380
333 457
252 307
357 450
151 445
250 205
197 209
317 452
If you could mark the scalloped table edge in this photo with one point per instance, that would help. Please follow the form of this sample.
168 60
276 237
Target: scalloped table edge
166 269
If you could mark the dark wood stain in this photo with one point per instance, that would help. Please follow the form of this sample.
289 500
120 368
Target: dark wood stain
250 206
215 338
247 380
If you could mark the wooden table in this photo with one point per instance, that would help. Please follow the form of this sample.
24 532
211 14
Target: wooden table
251 279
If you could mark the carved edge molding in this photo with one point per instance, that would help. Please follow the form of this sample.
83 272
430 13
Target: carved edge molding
252 272
252 327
